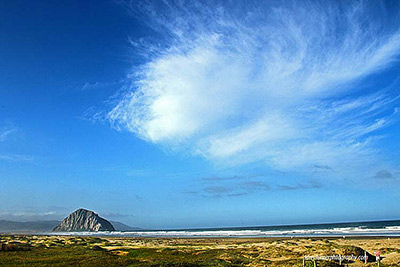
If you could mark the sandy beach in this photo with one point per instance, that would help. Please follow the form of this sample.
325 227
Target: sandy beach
37 250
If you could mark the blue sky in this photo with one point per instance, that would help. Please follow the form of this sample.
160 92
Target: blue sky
171 114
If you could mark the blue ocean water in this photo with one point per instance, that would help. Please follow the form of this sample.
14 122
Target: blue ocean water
376 228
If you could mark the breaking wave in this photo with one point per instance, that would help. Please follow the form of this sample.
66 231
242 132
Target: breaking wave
342 231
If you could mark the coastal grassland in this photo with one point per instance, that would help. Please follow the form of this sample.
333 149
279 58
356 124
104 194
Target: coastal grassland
37 250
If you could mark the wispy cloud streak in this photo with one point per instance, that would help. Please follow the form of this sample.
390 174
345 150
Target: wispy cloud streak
6 132
15 158
277 82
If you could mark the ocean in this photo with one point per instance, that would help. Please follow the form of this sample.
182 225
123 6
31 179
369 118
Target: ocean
376 228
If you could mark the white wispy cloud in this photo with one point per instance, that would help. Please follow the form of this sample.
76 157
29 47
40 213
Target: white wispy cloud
273 82
27 214
6 132
96 85
15 157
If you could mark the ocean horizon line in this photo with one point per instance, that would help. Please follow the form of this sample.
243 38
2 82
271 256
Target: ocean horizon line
268 226
371 228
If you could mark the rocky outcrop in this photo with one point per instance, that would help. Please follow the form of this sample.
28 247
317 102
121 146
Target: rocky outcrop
84 220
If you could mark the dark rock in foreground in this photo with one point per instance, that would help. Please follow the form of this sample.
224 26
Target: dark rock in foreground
84 220
15 246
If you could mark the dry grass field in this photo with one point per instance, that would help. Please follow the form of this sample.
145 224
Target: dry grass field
36 250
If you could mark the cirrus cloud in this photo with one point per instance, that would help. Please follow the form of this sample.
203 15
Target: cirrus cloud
277 82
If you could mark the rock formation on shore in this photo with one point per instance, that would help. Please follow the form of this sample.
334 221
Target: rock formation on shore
84 220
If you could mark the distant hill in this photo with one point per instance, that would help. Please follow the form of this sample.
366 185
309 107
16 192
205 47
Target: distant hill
124 227
84 220
47 226
33 226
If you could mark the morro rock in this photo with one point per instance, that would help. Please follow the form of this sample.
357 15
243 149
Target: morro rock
84 220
